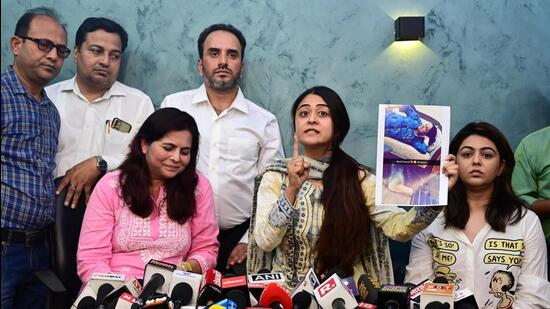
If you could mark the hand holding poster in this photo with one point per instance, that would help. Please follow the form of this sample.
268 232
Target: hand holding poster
412 142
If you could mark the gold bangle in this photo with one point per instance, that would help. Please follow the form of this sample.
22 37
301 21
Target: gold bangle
186 266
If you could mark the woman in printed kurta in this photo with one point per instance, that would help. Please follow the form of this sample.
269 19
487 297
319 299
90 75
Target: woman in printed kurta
155 206
485 240
317 210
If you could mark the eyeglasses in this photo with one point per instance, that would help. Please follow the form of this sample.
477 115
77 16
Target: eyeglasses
46 45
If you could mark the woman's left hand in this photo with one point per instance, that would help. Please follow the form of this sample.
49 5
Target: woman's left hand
450 169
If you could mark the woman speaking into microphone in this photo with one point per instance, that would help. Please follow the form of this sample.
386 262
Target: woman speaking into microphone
155 206
317 209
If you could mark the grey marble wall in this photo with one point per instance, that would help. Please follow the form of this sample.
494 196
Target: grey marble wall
487 59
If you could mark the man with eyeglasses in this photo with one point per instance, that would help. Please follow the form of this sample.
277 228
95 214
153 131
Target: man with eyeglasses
30 127
99 115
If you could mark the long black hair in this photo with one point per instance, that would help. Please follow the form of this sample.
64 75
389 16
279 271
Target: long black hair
344 233
135 177
505 207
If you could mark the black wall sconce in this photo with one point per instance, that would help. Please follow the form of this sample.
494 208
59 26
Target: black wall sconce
409 28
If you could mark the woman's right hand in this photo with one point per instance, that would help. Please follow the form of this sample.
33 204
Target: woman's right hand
298 171
450 169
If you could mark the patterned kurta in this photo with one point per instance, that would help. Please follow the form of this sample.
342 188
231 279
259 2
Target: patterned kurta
283 236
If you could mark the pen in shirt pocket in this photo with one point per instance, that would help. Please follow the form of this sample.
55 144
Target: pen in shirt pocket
108 126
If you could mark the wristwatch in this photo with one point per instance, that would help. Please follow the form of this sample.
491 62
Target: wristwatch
101 164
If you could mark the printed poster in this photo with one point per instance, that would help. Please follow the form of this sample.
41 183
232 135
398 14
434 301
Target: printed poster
413 141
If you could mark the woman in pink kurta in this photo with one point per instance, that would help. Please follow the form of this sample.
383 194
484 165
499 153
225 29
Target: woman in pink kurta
155 206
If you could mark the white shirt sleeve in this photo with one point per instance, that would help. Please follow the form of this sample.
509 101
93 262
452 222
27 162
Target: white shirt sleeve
420 260
533 288
272 150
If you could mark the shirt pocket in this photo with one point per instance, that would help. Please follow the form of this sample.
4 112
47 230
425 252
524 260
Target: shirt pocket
243 149
117 142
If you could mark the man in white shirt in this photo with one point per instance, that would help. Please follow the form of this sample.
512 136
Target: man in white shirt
99 115
238 138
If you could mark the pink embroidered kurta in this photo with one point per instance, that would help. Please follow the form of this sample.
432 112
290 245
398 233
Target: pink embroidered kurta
113 239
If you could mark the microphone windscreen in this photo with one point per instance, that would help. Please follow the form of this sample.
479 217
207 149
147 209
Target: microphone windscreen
441 279
211 288
182 293
103 290
156 281
301 300
238 297
438 305
368 290
274 293
87 302
264 271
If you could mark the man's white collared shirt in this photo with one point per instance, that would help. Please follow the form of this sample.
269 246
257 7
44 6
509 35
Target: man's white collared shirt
86 129
235 147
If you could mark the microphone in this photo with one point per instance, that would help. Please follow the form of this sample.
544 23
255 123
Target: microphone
368 289
302 300
239 297
333 294
103 290
437 295
96 281
308 284
86 302
437 305
181 294
211 288
192 279
349 283
465 299
258 282
125 301
155 282
393 296
274 296
161 268
236 283
131 286
441 279
416 292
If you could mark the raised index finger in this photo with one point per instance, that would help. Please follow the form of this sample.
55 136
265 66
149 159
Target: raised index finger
295 147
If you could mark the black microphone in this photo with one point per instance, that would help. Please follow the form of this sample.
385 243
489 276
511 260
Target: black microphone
211 288
87 302
437 305
103 291
301 300
233 283
338 303
239 297
157 280
441 279
368 289
181 294
393 296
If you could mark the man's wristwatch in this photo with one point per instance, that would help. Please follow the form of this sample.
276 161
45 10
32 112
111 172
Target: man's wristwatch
101 164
